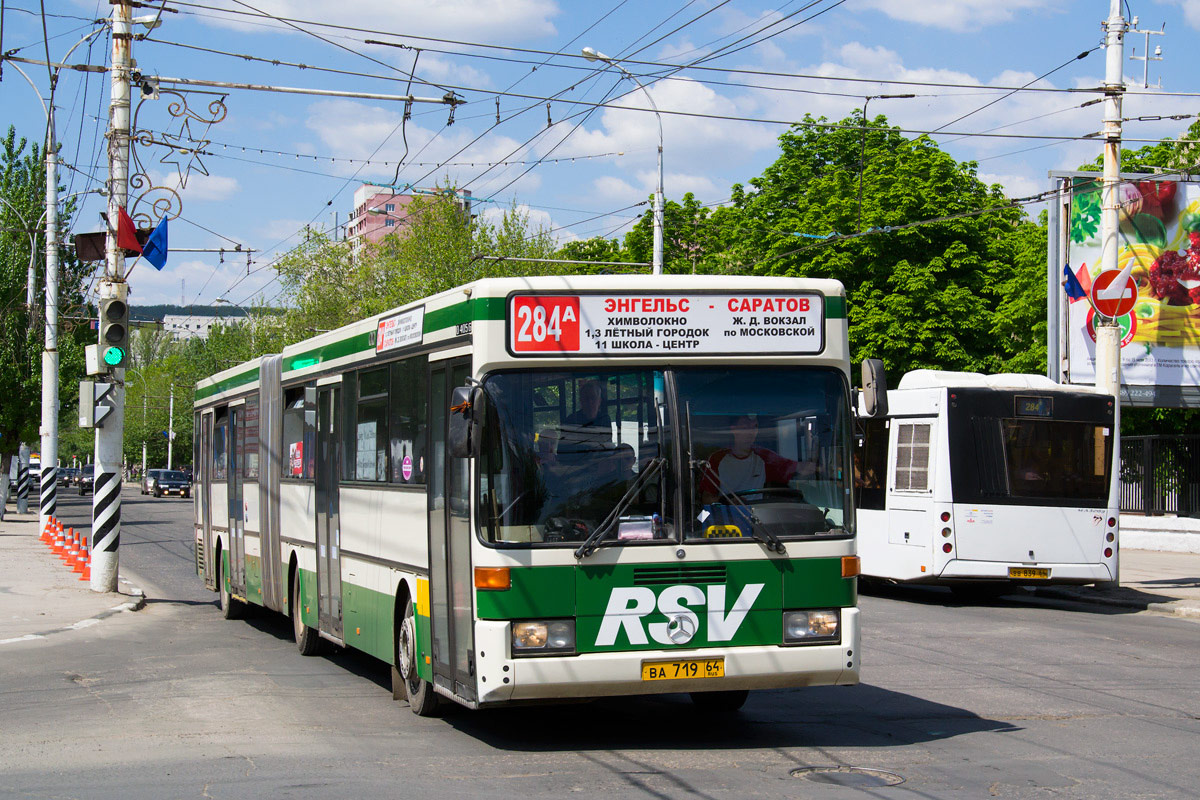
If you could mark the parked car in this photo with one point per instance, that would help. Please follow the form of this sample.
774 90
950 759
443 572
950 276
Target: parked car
166 481
87 478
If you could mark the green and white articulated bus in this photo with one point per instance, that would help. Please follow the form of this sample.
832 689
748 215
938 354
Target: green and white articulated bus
545 488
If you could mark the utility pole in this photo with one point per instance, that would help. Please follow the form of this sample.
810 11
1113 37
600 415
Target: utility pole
49 431
106 497
170 428
143 430
23 479
1108 332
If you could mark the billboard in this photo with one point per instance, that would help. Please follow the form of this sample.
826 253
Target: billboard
1159 236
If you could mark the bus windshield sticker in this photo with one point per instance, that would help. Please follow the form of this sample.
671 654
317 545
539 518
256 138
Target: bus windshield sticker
699 324
400 330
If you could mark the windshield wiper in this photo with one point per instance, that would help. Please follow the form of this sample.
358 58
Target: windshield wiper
758 530
593 542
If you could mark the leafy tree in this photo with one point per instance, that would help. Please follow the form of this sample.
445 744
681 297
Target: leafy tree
921 294
23 189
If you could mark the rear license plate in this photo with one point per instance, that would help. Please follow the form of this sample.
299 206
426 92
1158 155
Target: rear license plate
681 670
1036 573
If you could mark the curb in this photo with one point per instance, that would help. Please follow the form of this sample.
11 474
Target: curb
136 604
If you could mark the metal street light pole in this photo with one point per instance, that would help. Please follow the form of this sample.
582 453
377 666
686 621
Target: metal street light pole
657 259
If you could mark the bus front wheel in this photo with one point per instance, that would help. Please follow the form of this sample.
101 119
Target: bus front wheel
720 702
421 698
308 641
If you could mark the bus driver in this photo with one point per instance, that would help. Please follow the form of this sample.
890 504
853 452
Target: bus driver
745 467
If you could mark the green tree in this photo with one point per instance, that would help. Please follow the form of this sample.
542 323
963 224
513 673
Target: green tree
23 189
925 272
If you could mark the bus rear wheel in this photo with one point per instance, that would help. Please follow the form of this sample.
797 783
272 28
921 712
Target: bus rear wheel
231 608
720 702
421 698
308 641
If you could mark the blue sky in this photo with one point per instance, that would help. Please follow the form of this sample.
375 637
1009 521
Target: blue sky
598 162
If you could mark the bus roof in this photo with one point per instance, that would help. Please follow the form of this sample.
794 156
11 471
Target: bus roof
945 379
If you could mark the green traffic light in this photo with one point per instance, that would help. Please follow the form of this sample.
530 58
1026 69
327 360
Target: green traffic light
113 356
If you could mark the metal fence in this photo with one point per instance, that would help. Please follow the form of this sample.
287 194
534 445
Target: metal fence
1161 475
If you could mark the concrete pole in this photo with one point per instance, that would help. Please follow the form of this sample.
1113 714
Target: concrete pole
1108 334
143 431
23 480
106 498
49 430
171 429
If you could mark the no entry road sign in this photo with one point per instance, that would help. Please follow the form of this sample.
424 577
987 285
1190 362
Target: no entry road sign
1111 297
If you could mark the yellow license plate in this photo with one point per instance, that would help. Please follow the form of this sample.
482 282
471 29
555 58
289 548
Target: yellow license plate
683 670
1037 573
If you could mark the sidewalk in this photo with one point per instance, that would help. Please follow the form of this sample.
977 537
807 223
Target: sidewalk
40 596
1151 580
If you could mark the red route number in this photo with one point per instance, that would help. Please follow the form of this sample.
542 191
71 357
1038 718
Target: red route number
545 324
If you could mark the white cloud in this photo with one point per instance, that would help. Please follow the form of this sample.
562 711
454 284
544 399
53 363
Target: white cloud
199 188
1015 185
196 280
955 15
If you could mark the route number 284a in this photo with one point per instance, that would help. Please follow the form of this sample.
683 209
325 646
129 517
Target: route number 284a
545 324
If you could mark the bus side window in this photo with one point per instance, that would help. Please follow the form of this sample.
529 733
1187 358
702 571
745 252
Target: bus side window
870 465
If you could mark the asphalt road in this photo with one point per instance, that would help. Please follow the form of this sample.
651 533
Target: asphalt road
1016 698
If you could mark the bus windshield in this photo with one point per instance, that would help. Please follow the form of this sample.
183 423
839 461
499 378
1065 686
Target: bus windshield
767 448
572 455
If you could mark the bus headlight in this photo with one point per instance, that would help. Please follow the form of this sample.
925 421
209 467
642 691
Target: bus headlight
804 627
543 636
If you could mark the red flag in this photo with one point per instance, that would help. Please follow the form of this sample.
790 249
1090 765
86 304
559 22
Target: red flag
1085 278
126 233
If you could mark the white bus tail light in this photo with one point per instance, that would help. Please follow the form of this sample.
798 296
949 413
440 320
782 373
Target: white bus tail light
1112 522
945 516
1108 551
947 547
946 532
1111 537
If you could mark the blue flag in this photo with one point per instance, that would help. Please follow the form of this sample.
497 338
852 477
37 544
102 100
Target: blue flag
155 249
1074 287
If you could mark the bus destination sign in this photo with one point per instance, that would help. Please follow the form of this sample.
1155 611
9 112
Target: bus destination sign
666 324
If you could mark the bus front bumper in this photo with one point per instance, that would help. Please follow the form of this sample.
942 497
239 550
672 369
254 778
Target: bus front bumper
620 673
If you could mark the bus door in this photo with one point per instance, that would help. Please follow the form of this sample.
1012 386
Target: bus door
237 526
203 467
450 581
329 533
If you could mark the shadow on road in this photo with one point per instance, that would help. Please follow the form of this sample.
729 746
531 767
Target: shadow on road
1082 599
832 716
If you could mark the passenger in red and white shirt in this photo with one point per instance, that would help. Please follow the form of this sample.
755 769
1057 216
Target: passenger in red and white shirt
746 467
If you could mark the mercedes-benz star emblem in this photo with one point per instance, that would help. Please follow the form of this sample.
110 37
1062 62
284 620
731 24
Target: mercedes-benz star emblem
681 628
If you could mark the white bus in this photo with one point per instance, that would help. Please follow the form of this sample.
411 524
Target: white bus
982 482
542 488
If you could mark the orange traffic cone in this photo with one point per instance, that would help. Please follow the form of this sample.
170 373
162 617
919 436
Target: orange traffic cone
60 540
86 572
45 537
72 547
82 559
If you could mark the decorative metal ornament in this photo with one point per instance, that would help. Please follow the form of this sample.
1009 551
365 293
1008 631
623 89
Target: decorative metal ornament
151 202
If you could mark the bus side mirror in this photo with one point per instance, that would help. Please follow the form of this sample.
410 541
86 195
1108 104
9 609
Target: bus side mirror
875 388
466 412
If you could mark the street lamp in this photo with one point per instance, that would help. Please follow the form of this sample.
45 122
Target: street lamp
592 54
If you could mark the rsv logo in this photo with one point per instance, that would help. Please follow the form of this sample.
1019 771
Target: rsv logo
627 606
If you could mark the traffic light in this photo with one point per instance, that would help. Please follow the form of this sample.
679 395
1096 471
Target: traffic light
114 333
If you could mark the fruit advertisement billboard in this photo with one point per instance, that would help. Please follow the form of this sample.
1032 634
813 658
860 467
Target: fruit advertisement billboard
1159 237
